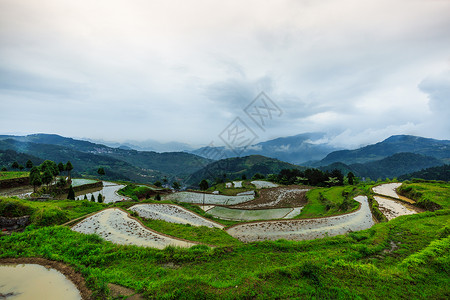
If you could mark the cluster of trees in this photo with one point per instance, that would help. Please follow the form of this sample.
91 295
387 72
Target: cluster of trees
16 166
312 177
46 173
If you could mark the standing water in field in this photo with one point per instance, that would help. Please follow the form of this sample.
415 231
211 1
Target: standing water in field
31 281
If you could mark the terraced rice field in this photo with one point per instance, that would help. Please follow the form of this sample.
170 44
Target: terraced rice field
237 184
116 226
248 214
389 189
393 209
172 214
279 197
109 192
82 181
261 184
210 199
305 229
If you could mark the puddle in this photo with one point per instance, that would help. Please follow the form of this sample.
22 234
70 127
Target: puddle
31 281
306 229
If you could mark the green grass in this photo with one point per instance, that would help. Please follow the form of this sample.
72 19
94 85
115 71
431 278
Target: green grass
12 174
324 202
427 193
48 212
246 186
351 266
202 234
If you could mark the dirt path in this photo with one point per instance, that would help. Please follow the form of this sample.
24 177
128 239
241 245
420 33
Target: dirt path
306 229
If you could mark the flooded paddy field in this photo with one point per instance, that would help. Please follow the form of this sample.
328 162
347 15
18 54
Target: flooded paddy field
210 199
172 214
390 190
278 197
261 184
306 229
116 226
393 209
236 214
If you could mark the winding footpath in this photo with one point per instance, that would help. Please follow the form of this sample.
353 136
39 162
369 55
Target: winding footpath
306 229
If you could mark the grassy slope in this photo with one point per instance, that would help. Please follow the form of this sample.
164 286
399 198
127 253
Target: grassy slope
13 174
438 192
350 266
331 203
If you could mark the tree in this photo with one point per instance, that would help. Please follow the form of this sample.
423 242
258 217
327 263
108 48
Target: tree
176 186
158 183
29 164
15 165
47 177
351 178
69 168
61 167
85 197
258 176
244 177
35 178
71 195
158 197
4 169
101 171
21 167
92 198
100 198
50 167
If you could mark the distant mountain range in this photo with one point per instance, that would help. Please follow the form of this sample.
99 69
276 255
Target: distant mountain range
233 168
87 157
296 149
439 149
395 156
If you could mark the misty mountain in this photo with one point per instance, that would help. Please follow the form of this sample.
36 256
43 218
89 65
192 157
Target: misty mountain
146 164
147 145
235 167
439 149
7 157
433 173
388 167
296 149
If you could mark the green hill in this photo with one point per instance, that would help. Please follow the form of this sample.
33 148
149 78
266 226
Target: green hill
439 149
235 167
434 173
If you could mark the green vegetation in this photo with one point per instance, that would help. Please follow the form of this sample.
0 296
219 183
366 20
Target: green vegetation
47 213
430 195
434 173
324 202
221 187
409 256
13 174
136 192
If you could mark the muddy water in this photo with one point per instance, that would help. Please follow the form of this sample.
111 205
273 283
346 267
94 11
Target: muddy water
393 209
306 229
390 190
235 214
30 281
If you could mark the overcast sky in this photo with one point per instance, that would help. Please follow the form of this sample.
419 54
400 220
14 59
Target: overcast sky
184 70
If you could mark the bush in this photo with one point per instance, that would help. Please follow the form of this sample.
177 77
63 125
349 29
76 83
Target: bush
47 217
